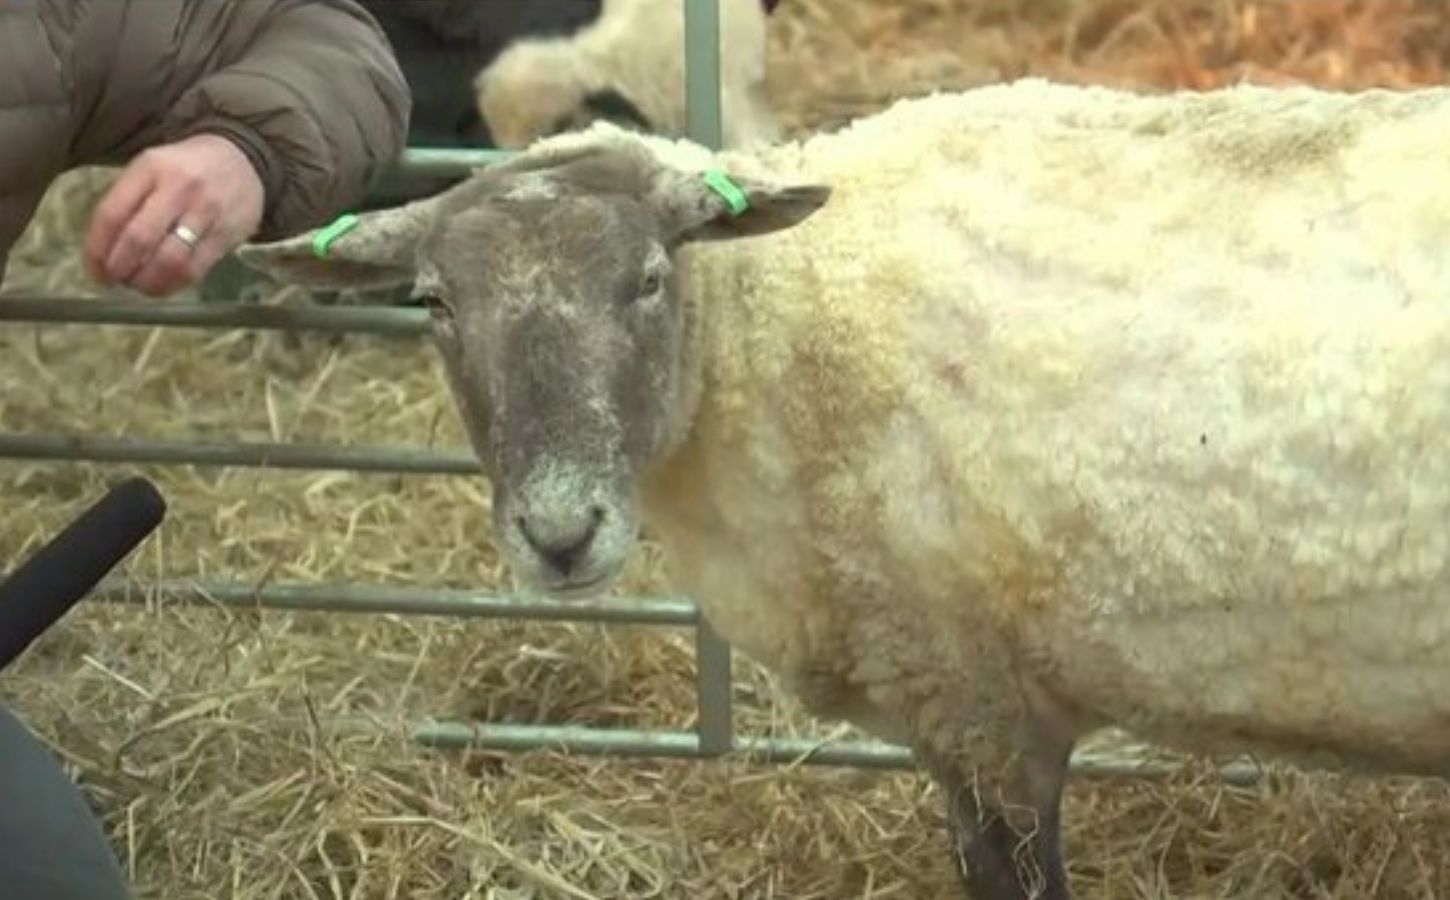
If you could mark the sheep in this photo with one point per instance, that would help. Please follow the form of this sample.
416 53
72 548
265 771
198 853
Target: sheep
990 420
503 73
631 60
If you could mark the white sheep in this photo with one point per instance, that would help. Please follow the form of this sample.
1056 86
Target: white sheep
635 53
1006 415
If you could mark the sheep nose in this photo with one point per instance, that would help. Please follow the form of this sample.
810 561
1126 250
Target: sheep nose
562 540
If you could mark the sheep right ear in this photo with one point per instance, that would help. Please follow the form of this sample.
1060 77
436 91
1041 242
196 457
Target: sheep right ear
716 205
366 251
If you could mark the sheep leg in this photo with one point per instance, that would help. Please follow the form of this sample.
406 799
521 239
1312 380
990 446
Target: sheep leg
1002 853
1006 832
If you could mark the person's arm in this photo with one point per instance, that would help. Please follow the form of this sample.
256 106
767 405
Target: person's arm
281 113
318 103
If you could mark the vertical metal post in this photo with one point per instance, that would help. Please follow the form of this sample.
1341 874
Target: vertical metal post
702 72
704 122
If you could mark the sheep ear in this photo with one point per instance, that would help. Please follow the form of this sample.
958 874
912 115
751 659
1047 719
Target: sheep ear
366 251
716 205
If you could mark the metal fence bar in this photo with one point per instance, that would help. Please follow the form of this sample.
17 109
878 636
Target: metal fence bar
402 460
654 743
428 162
704 123
415 162
704 120
714 689
399 600
658 743
381 320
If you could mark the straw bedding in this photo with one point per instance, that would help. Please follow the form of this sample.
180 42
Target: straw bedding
201 733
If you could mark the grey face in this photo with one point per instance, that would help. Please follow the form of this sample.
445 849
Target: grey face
563 339
563 325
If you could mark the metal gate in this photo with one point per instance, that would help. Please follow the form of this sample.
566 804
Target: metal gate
714 733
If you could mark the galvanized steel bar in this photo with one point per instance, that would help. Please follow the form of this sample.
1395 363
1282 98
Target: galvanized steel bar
652 743
427 162
403 460
586 741
703 121
382 320
422 162
400 600
713 689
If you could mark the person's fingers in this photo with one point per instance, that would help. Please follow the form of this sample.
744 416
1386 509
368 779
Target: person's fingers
209 253
172 266
114 211
143 235
204 185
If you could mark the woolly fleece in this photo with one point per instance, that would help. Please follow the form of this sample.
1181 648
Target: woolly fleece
1135 400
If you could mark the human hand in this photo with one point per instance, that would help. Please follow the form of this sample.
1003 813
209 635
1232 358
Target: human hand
202 187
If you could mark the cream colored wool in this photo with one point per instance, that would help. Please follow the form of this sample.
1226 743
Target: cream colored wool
1145 395
636 47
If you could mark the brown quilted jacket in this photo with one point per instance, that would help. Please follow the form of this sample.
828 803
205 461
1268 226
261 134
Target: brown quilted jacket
308 88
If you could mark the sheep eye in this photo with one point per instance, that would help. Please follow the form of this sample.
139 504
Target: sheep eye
651 286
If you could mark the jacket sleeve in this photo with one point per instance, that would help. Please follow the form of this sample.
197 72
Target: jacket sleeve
315 99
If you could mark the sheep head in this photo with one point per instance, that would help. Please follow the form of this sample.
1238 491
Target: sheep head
562 322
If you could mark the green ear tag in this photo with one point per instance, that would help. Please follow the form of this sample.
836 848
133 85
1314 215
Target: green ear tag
721 184
322 241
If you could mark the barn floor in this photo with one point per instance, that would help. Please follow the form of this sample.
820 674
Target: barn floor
195 729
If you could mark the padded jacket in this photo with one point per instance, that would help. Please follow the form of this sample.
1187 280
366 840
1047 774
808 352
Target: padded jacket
309 89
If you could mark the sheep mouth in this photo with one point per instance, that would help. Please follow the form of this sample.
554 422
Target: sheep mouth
592 588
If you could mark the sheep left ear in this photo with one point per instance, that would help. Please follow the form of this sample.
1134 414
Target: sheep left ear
368 251
716 205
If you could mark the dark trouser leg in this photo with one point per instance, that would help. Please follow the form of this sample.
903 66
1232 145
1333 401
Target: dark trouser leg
51 845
